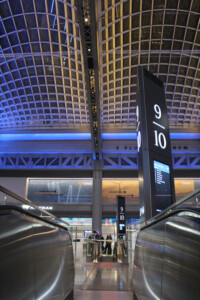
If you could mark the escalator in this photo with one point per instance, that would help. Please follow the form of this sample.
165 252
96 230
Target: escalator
35 250
167 253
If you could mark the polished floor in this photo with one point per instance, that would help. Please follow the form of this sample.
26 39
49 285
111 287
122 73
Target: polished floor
102 295
102 280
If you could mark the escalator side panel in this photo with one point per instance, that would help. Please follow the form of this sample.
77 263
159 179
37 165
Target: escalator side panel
36 259
181 271
138 283
149 258
16 254
47 266
167 259
68 264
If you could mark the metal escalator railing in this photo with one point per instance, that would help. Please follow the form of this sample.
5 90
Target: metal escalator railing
167 257
36 252
189 202
8 198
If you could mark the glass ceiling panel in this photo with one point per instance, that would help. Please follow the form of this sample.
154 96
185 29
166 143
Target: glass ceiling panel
164 37
42 81
41 66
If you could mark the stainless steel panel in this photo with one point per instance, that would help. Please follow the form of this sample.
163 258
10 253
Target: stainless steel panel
148 262
152 261
138 282
36 259
167 259
16 257
47 266
68 263
181 271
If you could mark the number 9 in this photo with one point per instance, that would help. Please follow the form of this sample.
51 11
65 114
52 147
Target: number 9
157 111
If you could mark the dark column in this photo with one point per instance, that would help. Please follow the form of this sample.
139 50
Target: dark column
97 197
156 181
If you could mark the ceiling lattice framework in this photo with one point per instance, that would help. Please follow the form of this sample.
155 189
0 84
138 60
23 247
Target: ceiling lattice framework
42 76
42 71
164 37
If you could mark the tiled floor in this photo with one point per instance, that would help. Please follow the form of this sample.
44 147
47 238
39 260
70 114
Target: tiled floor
102 295
108 277
103 281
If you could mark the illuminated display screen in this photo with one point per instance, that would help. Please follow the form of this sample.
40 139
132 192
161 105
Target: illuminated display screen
60 190
78 221
162 186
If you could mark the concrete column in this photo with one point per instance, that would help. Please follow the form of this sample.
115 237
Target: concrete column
196 184
97 197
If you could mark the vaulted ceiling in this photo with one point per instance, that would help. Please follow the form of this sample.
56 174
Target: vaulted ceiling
43 82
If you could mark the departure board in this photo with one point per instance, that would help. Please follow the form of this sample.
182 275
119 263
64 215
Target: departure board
162 186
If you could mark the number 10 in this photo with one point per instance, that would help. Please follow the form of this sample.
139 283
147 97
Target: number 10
160 139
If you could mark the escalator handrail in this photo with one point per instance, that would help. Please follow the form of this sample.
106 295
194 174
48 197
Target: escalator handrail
174 205
169 214
31 214
28 202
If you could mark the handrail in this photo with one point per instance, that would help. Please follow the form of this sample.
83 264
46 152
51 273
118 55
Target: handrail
31 213
174 205
28 202
171 213
171 210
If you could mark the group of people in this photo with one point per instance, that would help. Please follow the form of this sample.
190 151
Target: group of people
106 246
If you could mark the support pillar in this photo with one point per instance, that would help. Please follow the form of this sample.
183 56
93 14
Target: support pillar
97 197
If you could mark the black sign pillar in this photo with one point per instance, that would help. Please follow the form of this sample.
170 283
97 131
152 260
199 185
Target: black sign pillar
121 217
156 183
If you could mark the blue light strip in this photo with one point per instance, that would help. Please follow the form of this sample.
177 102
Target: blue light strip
133 136
186 152
44 136
85 136
185 136
119 136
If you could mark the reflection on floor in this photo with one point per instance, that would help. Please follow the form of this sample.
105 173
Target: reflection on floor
102 295
106 281
108 277
102 280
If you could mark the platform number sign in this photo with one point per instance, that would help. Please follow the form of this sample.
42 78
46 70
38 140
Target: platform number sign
121 217
159 137
160 140
153 143
138 128
152 111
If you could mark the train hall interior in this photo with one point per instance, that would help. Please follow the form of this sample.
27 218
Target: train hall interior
74 75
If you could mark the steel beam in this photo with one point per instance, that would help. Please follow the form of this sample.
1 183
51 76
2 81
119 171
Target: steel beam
110 161
88 33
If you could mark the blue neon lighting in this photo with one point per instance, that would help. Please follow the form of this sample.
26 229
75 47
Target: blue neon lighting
85 136
185 152
133 136
44 136
184 136
119 136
